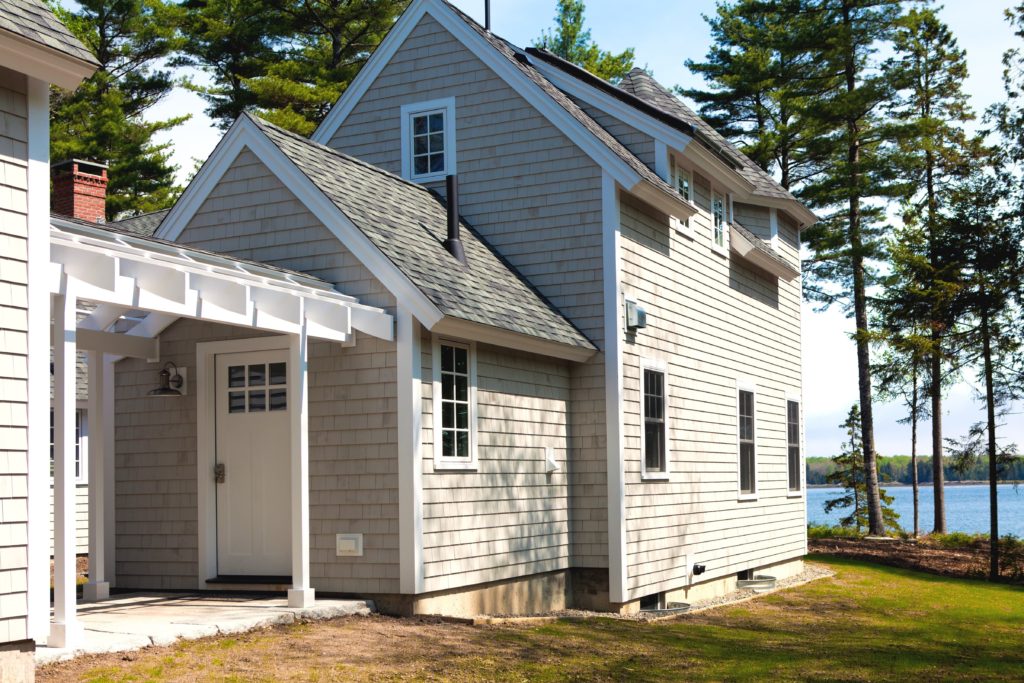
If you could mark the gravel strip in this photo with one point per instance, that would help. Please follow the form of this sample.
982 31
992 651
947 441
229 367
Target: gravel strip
811 572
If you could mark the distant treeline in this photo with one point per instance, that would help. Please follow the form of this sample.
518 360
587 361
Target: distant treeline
896 469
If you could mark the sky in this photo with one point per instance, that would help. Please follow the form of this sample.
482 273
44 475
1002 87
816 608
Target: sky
664 35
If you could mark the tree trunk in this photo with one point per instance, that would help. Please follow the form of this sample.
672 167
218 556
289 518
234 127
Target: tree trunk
938 473
860 306
993 470
913 454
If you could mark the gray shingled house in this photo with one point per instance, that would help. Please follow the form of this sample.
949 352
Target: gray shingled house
501 337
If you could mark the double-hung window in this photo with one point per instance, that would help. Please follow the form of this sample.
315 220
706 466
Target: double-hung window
793 444
654 413
454 405
428 140
746 405
719 220
682 180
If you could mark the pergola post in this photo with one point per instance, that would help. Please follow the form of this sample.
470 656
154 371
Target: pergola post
65 631
301 593
100 497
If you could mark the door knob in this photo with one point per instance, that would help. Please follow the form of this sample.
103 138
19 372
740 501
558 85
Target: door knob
218 473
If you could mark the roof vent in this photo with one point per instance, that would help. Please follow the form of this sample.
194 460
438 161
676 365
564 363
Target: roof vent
522 58
453 244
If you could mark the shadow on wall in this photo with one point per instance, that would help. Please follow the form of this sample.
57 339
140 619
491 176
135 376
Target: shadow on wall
753 282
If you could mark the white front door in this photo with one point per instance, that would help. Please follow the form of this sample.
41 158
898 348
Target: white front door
253 468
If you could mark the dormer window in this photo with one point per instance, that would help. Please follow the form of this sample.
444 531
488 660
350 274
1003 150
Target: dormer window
428 140
719 222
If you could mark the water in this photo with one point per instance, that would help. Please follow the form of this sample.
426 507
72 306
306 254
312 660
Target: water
966 508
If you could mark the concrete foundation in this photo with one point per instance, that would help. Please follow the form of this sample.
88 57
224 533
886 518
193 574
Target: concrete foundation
17 662
718 587
527 595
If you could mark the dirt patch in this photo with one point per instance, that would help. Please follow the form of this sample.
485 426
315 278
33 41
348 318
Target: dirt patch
81 569
967 562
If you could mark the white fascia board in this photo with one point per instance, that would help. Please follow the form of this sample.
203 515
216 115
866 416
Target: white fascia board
380 58
489 334
38 61
245 134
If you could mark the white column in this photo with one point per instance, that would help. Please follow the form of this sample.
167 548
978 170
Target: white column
301 593
98 587
410 465
65 631
38 360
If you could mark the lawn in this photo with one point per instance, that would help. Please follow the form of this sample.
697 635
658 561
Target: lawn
868 623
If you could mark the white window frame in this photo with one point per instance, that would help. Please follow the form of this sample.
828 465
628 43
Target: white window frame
802 468
723 248
683 227
82 445
444 105
744 384
440 461
656 365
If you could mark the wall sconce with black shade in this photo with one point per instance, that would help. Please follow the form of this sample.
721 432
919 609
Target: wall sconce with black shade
171 381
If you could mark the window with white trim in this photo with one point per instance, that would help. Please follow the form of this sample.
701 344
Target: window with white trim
428 140
682 180
80 473
793 444
747 441
655 435
454 405
719 220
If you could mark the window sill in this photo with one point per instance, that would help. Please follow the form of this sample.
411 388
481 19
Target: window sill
655 476
721 251
449 465
745 497
429 178
795 494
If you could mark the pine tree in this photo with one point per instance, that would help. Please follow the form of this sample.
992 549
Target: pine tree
103 119
934 151
232 41
850 476
761 77
990 243
857 152
571 41
287 60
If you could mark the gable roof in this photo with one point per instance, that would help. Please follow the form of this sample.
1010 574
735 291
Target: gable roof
409 224
396 228
33 20
513 65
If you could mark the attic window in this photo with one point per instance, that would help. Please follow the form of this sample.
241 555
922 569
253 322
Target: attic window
428 140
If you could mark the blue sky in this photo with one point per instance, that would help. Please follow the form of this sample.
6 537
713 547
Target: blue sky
665 34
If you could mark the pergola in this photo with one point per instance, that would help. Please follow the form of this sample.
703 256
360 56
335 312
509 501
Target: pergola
159 282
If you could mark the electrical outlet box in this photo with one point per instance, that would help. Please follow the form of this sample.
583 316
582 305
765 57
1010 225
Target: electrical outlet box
636 317
349 545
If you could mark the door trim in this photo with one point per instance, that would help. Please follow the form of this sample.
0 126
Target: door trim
206 441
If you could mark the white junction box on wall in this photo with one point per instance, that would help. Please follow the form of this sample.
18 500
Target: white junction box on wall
349 545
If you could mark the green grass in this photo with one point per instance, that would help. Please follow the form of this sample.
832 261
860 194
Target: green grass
868 623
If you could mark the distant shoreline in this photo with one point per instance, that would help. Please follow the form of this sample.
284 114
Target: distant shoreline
894 484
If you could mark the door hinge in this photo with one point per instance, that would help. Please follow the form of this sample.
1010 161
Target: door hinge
218 473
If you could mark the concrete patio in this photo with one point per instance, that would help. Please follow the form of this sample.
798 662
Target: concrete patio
137 620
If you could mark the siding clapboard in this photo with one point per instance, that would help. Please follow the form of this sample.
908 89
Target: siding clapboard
14 355
711 320
534 196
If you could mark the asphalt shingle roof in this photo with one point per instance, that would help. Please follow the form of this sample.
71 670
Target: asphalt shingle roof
408 224
144 225
642 85
33 20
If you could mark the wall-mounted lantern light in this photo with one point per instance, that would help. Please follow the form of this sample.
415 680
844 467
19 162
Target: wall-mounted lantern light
171 382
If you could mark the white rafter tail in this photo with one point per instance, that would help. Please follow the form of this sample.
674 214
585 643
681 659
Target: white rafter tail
102 317
374 322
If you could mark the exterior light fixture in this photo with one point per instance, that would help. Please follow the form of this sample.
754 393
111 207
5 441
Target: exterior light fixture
171 381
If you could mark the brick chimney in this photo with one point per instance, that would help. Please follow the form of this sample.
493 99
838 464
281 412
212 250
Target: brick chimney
80 190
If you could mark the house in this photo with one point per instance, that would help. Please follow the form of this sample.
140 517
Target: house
35 51
501 337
